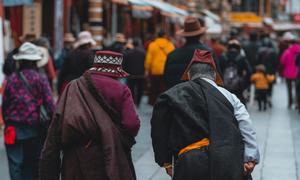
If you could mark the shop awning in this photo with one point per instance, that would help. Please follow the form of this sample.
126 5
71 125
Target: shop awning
120 1
17 2
167 8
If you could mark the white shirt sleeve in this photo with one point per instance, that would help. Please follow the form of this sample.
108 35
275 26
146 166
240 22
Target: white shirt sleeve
246 128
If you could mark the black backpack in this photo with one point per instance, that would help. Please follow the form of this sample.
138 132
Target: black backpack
231 79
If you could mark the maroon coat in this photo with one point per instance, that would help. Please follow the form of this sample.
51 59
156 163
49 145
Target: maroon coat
87 136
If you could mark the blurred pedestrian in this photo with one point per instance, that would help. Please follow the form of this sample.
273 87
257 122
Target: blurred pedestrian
289 68
179 59
268 57
69 40
261 81
298 82
134 59
46 65
26 91
251 49
94 126
156 58
119 43
9 66
211 116
217 47
77 61
236 70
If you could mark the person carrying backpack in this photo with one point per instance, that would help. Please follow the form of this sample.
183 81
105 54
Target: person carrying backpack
235 70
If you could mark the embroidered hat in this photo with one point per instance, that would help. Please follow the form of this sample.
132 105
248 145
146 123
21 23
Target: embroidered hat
84 37
28 51
109 63
201 56
192 27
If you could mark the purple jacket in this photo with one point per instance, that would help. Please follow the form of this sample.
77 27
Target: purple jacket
119 97
288 62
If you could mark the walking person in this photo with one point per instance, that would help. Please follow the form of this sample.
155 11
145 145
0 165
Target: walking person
69 40
78 61
289 68
205 128
26 91
94 126
267 56
180 58
235 69
134 60
262 82
156 58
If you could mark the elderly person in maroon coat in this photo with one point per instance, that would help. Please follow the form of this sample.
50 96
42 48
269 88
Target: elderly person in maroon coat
94 126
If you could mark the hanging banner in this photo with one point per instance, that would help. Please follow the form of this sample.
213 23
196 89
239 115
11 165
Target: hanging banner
17 2
32 19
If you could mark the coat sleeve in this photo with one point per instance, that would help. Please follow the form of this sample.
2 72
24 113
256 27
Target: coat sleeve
130 120
50 161
160 125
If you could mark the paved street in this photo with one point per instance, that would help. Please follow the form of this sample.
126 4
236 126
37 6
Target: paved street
278 135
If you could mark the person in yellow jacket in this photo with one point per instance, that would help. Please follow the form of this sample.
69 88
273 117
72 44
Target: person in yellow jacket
156 57
261 80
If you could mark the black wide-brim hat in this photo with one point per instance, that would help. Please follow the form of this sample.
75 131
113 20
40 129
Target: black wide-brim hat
109 63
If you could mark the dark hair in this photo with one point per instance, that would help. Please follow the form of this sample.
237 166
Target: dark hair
253 36
25 64
136 42
161 33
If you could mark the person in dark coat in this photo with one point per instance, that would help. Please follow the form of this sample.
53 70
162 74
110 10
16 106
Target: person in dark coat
251 49
77 61
94 126
234 58
134 59
268 57
178 60
204 127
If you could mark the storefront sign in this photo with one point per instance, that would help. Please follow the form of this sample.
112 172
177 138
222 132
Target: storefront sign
17 2
244 17
32 19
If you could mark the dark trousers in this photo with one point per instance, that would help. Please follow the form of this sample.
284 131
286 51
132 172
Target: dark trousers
192 165
289 84
261 97
298 92
157 86
137 89
23 159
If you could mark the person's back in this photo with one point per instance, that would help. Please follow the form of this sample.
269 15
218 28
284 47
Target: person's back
134 60
94 126
156 57
288 61
178 60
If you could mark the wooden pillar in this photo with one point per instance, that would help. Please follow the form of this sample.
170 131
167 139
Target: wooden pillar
96 20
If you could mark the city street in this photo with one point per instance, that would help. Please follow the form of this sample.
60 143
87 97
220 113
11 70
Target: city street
278 135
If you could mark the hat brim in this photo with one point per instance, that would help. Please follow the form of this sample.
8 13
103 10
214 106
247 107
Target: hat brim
192 33
19 57
84 41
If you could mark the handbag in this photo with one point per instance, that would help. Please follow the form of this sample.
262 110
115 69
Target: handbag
44 117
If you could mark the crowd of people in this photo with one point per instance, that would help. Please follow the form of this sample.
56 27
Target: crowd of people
195 89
